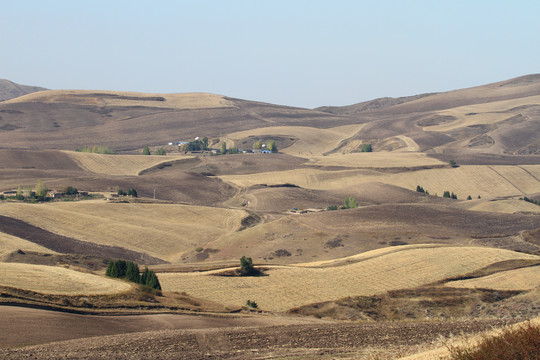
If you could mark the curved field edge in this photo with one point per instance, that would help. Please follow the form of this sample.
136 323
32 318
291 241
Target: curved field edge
474 180
58 280
164 231
287 287
518 279
128 165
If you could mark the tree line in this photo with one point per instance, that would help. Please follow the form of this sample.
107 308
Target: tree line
129 270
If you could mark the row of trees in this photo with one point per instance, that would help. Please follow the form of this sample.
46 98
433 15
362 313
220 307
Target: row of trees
348 203
41 193
130 192
130 271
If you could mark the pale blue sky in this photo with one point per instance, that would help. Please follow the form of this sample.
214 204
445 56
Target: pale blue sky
299 53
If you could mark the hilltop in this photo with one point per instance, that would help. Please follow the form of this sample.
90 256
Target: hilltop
10 90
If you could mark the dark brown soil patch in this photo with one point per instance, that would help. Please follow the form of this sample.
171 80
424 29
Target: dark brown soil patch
66 245
78 260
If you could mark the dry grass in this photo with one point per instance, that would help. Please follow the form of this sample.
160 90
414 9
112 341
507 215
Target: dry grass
57 280
311 141
288 287
161 230
487 113
123 98
519 279
504 206
375 160
473 180
10 243
128 165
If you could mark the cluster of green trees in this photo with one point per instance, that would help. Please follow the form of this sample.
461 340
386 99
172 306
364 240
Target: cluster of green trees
532 201
96 149
70 190
40 194
160 151
449 195
270 145
367 148
348 203
421 190
130 192
130 271
195 145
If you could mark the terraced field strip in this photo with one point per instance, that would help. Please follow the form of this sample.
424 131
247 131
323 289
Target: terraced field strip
126 98
375 160
57 280
287 287
466 180
519 177
518 279
119 164
9 243
161 230
488 113
506 206
311 141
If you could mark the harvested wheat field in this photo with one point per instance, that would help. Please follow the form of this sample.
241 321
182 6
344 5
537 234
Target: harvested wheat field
504 206
57 280
486 181
519 279
287 287
124 98
375 160
161 230
119 164
9 243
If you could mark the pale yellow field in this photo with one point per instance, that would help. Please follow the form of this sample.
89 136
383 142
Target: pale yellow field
375 160
504 206
9 243
161 230
288 287
311 141
178 101
119 164
473 180
488 113
519 279
57 280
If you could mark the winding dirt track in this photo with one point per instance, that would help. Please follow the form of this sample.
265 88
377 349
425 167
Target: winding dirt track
196 337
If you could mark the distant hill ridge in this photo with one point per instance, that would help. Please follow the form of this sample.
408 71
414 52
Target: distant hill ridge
10 90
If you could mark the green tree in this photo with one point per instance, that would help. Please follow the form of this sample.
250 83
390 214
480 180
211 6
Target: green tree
257 144
41 191
132 192
70 190
19 195
271 146
161 151
349 203
246 266
367 148
252 304
205 143
223 148
146 150
446 194
453 163
132 272
420 189
150 279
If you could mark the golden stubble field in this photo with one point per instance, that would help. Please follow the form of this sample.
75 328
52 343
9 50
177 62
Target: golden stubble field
290 286
518 279
165 231
57 280
486 181
129 165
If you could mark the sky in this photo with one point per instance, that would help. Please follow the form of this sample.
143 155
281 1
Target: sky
295 52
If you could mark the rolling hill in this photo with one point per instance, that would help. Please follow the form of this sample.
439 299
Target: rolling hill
10 90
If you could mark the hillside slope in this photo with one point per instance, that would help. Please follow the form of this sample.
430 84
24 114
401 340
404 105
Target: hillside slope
10 90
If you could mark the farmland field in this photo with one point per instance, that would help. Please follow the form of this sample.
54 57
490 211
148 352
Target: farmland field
287 287
57 280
